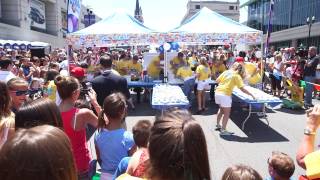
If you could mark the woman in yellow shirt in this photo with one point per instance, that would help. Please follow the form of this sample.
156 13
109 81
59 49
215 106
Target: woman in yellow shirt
227 81
217 68
203 73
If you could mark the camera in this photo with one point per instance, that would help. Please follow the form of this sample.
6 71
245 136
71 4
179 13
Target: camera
302 53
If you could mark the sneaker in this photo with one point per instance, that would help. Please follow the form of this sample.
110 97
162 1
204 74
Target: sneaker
218 127
225 133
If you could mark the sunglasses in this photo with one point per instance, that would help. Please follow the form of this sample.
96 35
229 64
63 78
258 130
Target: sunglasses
21 93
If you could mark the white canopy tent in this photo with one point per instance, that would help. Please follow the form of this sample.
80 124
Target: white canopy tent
207 27
118 29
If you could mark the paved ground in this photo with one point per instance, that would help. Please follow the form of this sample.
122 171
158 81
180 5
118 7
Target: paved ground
252 146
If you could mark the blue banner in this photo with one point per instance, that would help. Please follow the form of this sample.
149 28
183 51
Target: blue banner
73 14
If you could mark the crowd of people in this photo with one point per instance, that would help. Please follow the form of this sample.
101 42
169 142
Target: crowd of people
49 109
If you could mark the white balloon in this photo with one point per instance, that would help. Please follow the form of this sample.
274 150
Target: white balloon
166 46
258 54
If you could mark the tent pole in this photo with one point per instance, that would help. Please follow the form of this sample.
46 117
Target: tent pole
262 63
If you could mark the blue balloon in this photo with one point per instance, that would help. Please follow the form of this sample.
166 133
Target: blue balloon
161 49
174 46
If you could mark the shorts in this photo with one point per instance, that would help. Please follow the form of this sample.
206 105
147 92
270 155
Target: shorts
223 100
203 85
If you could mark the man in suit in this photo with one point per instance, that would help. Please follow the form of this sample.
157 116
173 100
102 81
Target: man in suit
109 81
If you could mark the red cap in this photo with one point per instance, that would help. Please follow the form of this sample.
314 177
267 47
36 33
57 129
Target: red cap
77 72
239 59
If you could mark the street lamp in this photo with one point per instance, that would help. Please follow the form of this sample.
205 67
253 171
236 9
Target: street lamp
310 21
89 16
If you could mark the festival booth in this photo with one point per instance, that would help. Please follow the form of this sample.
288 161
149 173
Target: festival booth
121 29
207 27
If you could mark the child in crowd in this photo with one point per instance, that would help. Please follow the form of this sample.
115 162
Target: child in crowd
35 89
112 141
138 163
281 166
241 172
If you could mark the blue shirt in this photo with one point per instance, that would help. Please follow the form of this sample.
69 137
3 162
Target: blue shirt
271 178
113 146
122 167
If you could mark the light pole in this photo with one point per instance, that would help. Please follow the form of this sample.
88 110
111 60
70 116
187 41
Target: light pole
310 21
89 16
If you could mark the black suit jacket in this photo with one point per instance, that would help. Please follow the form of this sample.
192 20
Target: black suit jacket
108 83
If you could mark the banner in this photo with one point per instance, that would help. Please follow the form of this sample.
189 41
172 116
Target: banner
74 9
89 19
64 23
37 14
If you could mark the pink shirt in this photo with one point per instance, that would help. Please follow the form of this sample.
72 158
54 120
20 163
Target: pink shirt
78 140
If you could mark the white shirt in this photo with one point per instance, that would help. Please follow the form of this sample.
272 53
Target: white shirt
5 76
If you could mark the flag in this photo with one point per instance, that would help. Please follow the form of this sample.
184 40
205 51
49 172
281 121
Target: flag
269 27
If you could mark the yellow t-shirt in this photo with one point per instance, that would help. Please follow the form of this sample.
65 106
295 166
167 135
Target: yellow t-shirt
204 72
52 91
251 68
228 80
126 176
122 67
135 68
192 62
296 93
184 72
312 165
218 70
154 67
176 63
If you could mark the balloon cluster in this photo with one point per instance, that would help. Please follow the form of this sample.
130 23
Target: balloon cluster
169 46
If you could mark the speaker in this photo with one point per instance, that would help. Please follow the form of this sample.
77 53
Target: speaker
39 52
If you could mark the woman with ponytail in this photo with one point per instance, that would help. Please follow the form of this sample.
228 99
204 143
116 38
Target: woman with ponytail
112 141
75 121
227 81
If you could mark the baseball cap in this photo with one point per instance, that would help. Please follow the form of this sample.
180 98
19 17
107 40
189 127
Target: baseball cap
239 59
77 72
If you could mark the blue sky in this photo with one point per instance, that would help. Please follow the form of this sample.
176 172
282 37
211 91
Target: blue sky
158 14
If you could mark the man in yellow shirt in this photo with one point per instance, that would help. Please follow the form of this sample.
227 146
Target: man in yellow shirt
155 66
177 62
186 74
122 65
228 80
135 69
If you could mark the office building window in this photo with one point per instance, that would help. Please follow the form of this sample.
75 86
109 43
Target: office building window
231 7
197 6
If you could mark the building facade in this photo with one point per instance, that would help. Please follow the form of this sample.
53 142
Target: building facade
228 8
36 20
289 21
138 12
